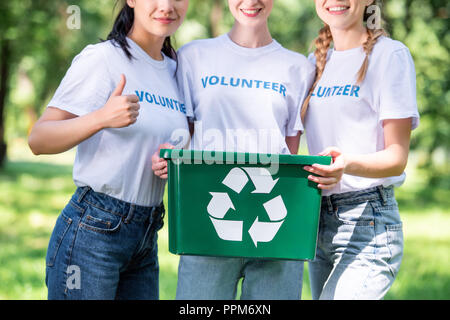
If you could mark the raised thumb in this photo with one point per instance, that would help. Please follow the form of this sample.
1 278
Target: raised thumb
119 89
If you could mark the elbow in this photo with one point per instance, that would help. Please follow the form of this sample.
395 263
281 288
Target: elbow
399 168
397 160
33 145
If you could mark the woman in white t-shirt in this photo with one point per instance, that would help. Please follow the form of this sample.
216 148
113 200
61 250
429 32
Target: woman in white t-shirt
243 93
104 244
361 110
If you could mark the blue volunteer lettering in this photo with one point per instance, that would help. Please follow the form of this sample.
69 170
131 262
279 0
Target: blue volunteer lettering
243 83
346 90
161 101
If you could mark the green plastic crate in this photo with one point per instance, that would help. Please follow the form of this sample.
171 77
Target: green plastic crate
236 204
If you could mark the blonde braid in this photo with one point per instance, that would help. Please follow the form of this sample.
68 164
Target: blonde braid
368 46
322 44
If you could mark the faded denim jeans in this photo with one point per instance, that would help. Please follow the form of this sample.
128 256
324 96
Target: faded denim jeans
104 248
360 245
216 278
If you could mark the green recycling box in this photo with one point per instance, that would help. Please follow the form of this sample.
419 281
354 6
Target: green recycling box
242 204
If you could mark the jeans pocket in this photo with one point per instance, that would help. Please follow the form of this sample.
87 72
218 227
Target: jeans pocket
394 235
59 231
100 221
360 214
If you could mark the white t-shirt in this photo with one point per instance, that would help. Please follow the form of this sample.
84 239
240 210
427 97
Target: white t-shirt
350 117
243 99
117 161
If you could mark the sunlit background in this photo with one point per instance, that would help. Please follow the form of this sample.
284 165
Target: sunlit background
37 45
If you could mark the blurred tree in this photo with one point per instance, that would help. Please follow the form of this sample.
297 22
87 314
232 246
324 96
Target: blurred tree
216 17
39 48
424 27
5 57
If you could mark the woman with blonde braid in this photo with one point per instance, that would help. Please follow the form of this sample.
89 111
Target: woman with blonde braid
361 110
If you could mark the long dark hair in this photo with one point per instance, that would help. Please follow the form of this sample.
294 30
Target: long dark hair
122 26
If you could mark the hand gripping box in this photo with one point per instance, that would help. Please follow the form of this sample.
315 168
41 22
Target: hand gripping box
242 204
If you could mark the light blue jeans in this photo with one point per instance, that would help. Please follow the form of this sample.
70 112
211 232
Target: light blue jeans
216 278
360 245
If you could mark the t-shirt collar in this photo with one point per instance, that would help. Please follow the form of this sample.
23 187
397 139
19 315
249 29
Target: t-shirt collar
226 40
346 53
137 51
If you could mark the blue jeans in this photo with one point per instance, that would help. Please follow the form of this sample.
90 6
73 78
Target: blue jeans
216 278
104 248
360 245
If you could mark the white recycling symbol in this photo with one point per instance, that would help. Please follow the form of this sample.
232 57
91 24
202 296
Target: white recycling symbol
220 204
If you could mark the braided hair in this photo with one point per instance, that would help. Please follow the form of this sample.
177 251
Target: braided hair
322 44
372 38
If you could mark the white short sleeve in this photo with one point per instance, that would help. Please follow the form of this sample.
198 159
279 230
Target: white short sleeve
87 84
185 86
312 58
295 124
398 88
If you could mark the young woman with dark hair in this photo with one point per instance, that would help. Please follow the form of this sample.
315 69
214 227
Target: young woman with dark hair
104 244
122 26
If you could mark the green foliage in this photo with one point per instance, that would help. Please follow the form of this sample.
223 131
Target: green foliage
42 48
423 26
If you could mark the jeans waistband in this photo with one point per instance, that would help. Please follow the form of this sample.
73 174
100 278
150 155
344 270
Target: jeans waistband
126 210
376 193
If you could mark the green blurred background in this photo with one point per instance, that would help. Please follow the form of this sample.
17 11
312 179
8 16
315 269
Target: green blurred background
37 47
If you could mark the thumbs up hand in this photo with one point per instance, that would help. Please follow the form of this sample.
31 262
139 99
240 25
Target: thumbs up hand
120 110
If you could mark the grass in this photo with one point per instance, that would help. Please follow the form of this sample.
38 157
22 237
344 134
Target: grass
35 189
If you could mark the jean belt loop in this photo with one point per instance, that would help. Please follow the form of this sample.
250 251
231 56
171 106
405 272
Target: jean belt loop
330 205
84 191
162 209
153 212
129 215
382 192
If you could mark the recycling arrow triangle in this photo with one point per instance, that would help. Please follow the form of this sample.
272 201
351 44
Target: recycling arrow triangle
220 204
